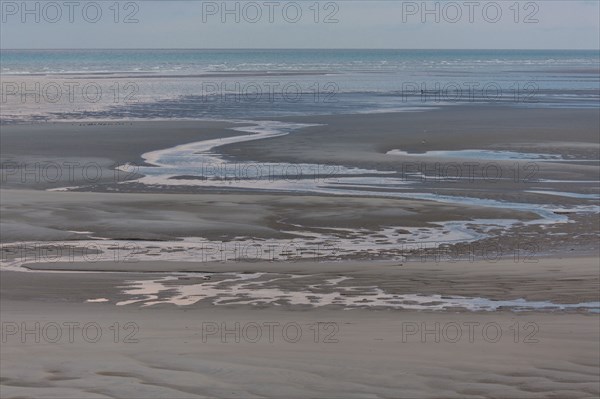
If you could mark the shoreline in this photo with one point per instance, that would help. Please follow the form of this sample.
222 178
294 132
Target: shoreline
438 197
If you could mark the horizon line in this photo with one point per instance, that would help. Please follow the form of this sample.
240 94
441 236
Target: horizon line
300 48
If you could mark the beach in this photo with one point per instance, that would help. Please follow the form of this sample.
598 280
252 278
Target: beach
338 283
301 223
368 355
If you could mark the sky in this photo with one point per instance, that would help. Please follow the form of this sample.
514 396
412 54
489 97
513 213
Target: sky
443 24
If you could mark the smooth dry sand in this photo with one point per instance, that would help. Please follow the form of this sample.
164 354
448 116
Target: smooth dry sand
357 353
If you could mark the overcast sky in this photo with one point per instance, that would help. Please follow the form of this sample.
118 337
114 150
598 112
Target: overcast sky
542 24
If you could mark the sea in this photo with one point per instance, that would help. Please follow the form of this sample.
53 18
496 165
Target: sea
105 84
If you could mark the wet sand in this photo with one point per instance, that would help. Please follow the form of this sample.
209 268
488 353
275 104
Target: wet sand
566 280
342 139
89 152
375 355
